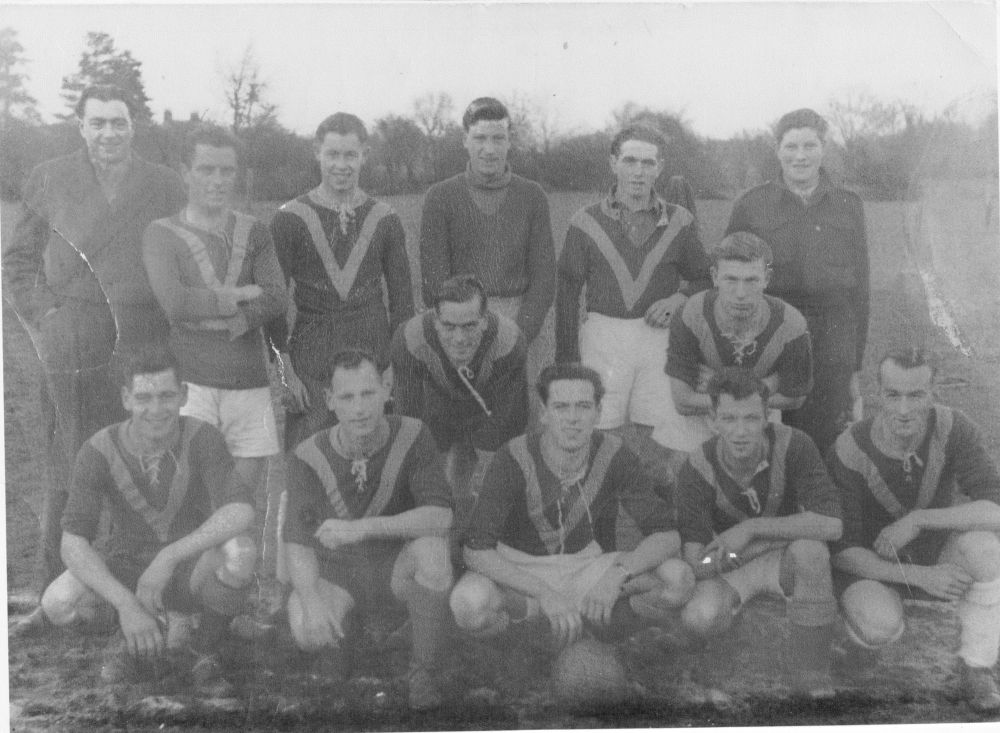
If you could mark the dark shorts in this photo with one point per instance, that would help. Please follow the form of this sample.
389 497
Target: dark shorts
364 571
177 595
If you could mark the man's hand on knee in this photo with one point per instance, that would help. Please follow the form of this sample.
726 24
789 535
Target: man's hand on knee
143 633
564 618
322 626
153 582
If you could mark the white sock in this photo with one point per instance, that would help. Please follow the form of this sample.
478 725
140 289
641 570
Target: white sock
979 614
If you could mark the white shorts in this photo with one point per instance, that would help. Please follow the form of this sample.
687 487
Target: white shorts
571 575
244 416
630 355
758 576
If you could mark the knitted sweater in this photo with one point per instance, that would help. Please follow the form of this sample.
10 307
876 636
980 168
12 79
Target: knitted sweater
511 251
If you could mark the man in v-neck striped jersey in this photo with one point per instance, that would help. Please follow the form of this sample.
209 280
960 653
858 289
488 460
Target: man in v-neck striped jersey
631 251
180 518
341 247
214 272
365 522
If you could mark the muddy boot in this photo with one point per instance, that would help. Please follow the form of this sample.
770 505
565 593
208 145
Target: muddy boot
979 685
852 661
422 689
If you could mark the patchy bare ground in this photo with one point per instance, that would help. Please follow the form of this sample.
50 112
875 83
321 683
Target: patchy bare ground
54 684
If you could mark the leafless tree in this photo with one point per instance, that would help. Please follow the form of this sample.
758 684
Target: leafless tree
245 93
432 112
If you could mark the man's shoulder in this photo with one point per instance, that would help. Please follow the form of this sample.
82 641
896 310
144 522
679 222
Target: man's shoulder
508 335
788 313
526 186
410 335
585 213
74 160
156 171
446 187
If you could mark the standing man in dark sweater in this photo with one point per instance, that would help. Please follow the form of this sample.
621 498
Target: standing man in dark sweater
493 224
73 271
340 246
215 273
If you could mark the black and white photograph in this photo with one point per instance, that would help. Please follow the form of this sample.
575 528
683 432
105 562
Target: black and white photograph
431 366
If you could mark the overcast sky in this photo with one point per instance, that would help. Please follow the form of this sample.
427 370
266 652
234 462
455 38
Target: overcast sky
727 67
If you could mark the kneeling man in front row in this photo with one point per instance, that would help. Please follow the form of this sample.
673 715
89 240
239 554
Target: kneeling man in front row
921 520
755 511
542 534
366 520
180 515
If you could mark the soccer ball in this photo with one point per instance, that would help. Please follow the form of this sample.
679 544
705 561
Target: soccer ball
589 673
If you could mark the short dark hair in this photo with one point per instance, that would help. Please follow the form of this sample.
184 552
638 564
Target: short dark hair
799 118
212 136
737 382
568 371
342 123
484 108
912 357
460 289
742 247
151 358
350 360
645 133
105 93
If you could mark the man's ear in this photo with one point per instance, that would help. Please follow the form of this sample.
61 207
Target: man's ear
184 393
125 394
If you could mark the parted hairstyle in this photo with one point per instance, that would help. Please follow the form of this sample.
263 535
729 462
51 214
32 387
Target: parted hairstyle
737 382
484 108
105 93
645 133
342 123
912 357
213 136
566 371
349 360
796 119
460 289
741 247
147 359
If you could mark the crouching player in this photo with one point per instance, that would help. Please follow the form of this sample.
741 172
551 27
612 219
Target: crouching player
755 511
367 518
542 533
921 520
179 514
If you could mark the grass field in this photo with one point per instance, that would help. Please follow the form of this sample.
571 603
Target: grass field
53 684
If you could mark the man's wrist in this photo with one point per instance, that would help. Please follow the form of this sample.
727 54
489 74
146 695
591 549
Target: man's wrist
916 518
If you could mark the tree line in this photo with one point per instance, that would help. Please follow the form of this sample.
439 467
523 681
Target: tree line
884 147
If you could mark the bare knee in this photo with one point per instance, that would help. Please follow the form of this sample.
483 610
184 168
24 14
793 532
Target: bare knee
873 613
474 601
978 552
710 609
679 581
810 558
432 562
239 559
66 600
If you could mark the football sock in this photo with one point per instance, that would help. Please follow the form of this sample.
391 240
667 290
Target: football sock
979 614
